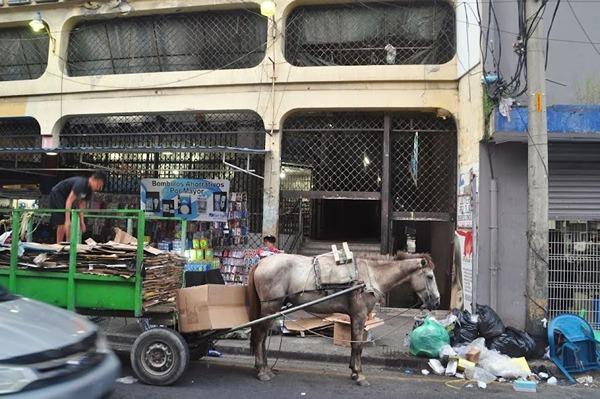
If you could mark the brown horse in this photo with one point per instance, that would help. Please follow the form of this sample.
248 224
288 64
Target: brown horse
283 278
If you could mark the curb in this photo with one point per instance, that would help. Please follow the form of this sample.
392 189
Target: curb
399 362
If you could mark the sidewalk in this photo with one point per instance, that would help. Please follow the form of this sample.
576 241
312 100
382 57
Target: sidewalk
387 348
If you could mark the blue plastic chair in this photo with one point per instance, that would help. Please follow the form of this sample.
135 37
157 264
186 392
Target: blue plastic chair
573 347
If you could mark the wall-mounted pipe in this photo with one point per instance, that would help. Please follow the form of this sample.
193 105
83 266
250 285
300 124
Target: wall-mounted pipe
493 244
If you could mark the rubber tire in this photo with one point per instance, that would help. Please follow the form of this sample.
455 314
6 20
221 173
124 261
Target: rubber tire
177 345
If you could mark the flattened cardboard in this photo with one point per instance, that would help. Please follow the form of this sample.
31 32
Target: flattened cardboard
342 335
211 307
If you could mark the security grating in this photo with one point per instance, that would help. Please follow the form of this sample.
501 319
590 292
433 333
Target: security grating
171 42
19 133
24 53
574 270
371 33
423 164
338 151
165 131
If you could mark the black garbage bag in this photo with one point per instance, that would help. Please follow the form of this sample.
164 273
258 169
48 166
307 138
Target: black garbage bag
489 323
465 328
513 343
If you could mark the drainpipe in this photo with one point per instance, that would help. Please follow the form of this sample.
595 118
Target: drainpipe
493 244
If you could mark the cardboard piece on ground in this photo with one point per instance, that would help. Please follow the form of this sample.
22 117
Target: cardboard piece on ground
211 307
473 354
342 335
306 323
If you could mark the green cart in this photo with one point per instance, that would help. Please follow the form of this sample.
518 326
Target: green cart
160 354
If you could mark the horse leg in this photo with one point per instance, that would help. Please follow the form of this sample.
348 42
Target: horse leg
358 327
261 365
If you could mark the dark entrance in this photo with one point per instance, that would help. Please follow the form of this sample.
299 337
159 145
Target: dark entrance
355 220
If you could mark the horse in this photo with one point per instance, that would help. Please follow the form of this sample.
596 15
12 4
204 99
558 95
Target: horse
285 278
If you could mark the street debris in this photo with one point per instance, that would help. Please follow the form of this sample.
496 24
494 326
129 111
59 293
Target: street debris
428 339
436 366
525 386
587 379
552 381
127 380
425 372
481 384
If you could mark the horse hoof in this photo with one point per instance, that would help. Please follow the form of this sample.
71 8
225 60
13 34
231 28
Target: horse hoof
354 376
264 377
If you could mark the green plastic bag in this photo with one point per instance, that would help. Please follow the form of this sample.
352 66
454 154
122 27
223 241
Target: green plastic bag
428 339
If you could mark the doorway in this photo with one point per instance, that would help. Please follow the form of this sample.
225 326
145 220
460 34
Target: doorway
346 220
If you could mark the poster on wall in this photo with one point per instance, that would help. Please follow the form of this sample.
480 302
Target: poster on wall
191 199
466 250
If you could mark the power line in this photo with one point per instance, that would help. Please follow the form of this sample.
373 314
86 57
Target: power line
589 39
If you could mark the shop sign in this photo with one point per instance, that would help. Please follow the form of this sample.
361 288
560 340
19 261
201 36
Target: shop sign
192 199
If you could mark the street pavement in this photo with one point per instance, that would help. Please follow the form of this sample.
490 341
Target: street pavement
233 376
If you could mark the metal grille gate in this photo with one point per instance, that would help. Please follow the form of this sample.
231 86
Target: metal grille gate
24 53
574 270
170 42
339 155
169 145
371 33
18 134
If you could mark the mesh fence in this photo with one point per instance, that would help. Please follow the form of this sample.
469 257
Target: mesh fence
332 151
18 133
371 33
171 42
169 130
24 53
423 164
574 270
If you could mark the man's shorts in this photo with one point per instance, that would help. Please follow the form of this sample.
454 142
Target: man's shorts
57 201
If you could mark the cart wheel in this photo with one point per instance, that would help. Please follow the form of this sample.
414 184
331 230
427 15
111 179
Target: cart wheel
159 356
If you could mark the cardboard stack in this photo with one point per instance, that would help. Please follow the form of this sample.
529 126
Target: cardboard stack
163 270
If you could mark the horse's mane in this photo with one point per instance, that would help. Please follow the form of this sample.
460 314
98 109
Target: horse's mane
400 255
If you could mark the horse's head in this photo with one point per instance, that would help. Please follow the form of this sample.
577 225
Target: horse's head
423 282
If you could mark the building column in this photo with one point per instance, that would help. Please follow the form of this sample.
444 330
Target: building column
272 184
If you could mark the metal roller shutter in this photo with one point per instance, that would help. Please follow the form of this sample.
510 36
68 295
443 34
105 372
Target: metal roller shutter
574 182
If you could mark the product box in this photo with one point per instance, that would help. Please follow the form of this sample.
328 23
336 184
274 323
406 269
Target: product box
211 307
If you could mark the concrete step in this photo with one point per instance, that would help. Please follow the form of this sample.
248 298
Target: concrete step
312 248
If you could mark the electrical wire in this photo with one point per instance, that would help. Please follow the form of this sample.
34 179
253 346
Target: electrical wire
589 39
550 30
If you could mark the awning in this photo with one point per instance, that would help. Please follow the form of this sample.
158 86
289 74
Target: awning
566 123
86 150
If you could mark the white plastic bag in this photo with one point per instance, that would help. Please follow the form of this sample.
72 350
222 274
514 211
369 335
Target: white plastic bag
501 365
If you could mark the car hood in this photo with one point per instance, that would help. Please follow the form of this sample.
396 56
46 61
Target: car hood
28 327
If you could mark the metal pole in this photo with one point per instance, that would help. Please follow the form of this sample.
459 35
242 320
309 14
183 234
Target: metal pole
139 263
385 186
73 242
493 244
537 176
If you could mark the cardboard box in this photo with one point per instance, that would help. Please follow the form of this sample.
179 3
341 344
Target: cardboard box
212 307
342 334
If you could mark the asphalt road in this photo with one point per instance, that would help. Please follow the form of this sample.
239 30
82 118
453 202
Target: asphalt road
234 377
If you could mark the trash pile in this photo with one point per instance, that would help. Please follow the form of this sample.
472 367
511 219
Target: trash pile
478 347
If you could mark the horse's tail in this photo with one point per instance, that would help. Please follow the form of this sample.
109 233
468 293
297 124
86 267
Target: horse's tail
254 305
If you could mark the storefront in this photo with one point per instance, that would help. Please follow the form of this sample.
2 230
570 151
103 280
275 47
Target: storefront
202 170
